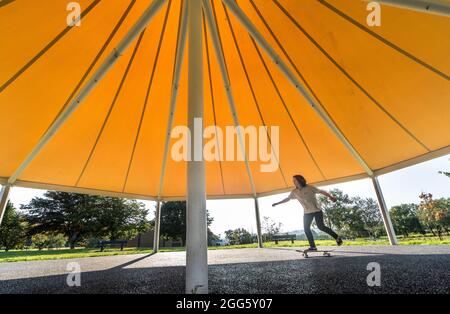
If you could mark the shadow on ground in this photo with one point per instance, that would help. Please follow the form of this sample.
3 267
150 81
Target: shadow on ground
424 273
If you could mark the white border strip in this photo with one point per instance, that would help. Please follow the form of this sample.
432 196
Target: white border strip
398 166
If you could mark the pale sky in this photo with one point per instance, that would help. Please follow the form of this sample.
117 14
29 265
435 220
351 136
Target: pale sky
402 186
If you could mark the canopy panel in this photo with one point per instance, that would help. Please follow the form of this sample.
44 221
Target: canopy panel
386 88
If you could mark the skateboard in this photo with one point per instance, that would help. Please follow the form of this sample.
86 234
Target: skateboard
305 253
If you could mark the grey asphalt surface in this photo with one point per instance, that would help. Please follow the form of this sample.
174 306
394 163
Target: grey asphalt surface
404 269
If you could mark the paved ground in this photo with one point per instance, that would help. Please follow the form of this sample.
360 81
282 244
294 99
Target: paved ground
404 269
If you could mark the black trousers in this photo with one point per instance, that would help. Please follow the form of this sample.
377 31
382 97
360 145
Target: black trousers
307 221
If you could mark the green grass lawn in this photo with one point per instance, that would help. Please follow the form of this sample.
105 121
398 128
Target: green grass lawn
34 255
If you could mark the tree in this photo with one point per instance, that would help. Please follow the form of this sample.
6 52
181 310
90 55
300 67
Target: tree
56 241
405 219
269 227
118 218
70 214
342 215
352 216
446 173
212 238
239 236
173 220
370 216
434 214
49 241
40 241
78 216
335 213
12 229
443 206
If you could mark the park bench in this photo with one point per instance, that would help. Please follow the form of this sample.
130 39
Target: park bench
284 237
102 244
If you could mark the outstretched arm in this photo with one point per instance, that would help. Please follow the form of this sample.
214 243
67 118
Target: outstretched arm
331 197
287 199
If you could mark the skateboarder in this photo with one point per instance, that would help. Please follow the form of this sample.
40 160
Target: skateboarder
306 195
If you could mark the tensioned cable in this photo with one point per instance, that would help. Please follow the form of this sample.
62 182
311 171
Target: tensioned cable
211 91
343 71
94 62
45 49
308 86
383 40
287 109
116 96
255 100
150 84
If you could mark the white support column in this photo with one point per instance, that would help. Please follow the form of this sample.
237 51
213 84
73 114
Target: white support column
157 227
196 227
258 224
384 212
425 6
4 196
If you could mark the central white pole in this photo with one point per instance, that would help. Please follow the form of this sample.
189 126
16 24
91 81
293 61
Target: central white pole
4 196
196 227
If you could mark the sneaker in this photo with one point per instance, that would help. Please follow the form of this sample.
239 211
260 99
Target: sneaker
312 249
339 241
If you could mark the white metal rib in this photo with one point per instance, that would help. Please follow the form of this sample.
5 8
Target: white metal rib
425 6
174 94
223 70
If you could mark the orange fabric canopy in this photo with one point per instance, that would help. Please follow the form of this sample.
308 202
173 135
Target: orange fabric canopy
386 88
